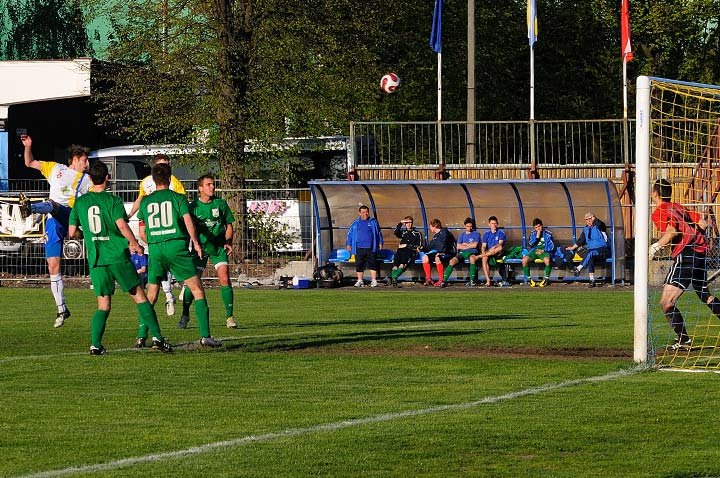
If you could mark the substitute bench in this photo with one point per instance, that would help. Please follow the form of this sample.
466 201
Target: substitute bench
561 204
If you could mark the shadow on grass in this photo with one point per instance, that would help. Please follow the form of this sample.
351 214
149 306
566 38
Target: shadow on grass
398 320
367 336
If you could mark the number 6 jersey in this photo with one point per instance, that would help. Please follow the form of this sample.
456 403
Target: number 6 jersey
96 214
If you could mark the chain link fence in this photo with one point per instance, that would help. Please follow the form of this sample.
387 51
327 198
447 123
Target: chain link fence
272 229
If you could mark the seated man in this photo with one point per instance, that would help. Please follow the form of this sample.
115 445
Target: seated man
440 250
411 241
492 249
540 246
594 237
467 246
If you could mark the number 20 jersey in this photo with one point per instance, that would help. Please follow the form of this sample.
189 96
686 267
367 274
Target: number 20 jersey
162 212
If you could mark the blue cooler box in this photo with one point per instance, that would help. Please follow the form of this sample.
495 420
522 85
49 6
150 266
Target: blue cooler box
302 284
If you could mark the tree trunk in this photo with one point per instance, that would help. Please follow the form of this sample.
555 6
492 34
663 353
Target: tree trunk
234 34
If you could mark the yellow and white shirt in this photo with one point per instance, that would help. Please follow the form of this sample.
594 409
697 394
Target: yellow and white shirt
147 186
65 184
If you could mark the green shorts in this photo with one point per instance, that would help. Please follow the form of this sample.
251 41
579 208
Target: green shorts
533 256
465 255
493 260
219 259
103 278
173 256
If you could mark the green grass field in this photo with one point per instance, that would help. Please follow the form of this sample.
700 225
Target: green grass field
352 383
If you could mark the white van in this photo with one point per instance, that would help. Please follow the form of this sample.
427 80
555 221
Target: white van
128 165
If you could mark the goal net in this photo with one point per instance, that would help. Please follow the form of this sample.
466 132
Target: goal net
677 317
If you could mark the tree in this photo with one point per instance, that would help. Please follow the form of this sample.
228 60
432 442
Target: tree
231 71
679 40
235 70
43 29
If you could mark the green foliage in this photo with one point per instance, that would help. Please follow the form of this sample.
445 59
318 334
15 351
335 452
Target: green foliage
43 29
678 40
266 233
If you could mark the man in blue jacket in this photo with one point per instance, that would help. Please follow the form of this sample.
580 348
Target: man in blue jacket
540 246
364 240
594 237
440 250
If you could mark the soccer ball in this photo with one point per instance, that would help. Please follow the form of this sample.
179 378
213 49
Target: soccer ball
390 82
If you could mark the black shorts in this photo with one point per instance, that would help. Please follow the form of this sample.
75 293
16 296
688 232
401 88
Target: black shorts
689 268
404 256
365 259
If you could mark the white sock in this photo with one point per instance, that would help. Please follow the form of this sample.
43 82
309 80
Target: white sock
167 288
58 291
591 276
579 268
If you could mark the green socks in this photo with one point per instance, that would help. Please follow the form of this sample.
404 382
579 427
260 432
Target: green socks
97 327
202 315
149 320
448 271
187 299
473 272
226 293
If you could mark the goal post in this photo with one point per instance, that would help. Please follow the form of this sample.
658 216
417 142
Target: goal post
642 217
677 142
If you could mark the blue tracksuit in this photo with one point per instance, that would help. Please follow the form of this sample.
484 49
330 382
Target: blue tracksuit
594 237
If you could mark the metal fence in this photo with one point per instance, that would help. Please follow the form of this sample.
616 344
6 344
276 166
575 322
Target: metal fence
276 230
496 143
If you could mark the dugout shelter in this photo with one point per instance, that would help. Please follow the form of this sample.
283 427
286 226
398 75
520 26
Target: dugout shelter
560 203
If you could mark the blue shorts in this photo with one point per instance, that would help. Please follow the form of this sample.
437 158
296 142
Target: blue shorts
56 228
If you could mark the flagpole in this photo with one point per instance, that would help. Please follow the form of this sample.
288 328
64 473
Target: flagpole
439 110
532 38
627 55
532 84
626 155
470 102
532 108
436 45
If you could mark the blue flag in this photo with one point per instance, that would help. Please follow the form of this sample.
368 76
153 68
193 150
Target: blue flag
436 33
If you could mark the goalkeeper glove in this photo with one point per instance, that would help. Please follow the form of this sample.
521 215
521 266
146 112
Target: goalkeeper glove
653 250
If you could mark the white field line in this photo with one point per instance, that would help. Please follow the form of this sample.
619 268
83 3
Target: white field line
229 339
327 427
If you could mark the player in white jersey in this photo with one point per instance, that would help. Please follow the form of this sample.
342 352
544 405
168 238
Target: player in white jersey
147 187
66 185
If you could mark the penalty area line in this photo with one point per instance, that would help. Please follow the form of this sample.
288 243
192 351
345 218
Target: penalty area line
329 427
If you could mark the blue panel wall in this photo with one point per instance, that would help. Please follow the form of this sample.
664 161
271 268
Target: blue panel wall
4 161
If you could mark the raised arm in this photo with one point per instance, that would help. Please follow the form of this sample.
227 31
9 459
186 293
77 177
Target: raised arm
30 160
135 206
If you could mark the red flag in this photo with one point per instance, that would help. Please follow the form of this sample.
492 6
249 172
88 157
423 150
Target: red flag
625 47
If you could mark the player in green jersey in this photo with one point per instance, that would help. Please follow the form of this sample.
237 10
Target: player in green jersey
102 217
166 227
213 219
